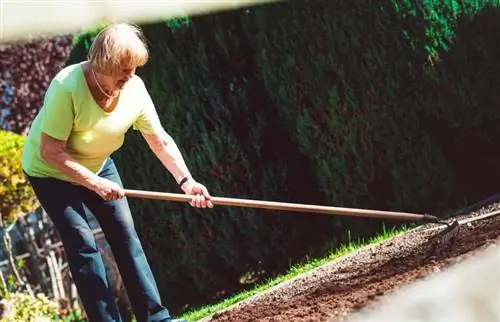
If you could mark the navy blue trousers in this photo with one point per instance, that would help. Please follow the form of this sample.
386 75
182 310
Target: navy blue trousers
68 206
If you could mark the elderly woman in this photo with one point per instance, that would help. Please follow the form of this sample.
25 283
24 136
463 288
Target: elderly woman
88 108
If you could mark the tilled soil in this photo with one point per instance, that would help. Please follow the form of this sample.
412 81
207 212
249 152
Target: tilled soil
332 291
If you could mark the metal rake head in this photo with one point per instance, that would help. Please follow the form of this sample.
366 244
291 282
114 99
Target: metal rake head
448 235
451 231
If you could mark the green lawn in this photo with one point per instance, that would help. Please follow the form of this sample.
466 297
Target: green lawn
205 311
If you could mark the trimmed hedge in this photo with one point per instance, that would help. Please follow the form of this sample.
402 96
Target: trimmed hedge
348 103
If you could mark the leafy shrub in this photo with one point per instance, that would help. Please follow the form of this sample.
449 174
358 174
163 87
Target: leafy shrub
20 307
16 194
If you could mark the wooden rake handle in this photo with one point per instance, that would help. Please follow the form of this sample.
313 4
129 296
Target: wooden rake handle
273 205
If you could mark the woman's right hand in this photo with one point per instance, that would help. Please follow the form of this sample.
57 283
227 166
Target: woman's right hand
108 190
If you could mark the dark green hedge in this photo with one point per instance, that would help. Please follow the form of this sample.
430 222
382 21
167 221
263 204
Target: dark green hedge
346 103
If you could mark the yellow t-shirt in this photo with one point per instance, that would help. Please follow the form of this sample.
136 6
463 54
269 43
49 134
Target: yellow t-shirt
70 113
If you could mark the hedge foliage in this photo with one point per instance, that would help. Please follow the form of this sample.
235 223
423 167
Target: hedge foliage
348 103
16 194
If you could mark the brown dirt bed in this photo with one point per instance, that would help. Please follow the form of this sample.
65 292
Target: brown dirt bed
350 283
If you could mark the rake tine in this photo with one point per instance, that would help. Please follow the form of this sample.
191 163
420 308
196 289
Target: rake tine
447 234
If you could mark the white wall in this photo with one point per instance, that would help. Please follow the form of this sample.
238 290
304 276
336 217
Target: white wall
67 16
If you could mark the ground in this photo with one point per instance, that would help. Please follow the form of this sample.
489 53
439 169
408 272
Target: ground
348 284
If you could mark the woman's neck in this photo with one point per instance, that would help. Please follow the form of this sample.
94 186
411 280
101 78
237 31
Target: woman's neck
102 86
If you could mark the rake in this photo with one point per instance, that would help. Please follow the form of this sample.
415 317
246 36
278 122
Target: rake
450 231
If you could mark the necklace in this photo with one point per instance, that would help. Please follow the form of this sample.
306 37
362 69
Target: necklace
100 88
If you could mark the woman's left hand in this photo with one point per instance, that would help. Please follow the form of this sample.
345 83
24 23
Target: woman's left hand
201 197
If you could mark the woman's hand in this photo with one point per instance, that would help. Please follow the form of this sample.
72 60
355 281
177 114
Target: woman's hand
108 190
201 197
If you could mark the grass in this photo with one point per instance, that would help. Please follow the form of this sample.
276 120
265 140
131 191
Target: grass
336 253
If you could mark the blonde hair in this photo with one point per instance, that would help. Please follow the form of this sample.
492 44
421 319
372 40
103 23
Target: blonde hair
118 46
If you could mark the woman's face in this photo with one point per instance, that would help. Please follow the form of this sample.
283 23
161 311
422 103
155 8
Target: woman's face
117 79
123 76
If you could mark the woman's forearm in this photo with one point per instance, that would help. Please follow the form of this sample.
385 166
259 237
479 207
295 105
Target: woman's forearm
75 171
53 152
167 151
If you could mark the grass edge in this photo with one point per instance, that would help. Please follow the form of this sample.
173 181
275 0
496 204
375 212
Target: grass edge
206 311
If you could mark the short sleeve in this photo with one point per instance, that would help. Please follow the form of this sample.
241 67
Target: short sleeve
58 116
148 121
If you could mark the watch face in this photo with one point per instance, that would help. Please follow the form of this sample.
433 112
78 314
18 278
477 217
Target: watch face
184 180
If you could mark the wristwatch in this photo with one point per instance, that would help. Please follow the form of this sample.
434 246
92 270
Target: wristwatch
184 180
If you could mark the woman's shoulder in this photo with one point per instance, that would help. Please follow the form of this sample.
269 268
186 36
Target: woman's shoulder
137 81
69 76
136 85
